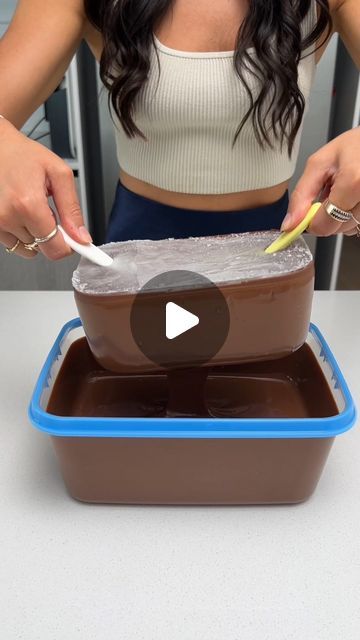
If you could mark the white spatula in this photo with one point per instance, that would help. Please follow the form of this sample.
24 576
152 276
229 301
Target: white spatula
89 251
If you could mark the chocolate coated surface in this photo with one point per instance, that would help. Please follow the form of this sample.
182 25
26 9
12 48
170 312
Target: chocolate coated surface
190 471
268 298
269 318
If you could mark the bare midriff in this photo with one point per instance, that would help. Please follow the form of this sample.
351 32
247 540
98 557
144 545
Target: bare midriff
205 202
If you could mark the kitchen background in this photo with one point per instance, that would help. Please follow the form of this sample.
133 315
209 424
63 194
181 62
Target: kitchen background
76 124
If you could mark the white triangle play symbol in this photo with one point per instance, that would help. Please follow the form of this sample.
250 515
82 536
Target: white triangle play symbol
178 320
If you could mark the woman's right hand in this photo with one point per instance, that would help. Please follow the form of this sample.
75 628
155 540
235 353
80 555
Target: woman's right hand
29 174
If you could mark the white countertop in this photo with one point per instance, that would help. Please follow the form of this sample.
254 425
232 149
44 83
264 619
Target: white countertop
75 571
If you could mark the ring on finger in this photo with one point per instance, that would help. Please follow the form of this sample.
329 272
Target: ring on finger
49 236
13 248
31 246
336 213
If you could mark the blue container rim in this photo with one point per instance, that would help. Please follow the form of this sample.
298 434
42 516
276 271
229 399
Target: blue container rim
205 428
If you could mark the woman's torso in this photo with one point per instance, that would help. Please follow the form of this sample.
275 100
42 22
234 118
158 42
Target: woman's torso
199 27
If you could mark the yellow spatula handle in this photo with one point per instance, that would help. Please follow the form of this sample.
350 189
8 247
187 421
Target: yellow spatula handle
287 237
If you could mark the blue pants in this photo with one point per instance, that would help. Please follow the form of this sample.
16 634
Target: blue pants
134 217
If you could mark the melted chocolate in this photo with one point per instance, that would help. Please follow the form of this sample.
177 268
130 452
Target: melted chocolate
290 387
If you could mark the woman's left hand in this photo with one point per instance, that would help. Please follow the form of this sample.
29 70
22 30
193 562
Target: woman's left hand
331 173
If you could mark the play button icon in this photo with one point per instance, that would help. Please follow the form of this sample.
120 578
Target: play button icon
178 320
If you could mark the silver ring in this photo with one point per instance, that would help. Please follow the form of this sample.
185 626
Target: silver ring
337 214
48 237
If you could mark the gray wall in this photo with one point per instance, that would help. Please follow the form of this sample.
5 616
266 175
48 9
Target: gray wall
109 160
7 8
37 273
316 125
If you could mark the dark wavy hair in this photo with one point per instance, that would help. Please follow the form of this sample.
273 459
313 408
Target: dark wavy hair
272 27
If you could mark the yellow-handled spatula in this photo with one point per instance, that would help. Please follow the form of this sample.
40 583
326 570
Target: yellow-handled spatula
287 237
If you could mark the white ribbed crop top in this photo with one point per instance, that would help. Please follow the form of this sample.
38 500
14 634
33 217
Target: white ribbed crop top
189 115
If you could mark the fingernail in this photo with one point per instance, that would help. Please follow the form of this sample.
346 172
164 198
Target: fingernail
286 223
84 234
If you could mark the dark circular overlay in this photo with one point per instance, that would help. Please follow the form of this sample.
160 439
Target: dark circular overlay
193 293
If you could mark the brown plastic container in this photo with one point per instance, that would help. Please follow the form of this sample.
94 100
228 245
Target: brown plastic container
256 433
198 472
268 297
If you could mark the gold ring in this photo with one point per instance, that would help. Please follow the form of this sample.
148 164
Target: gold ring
30 246
48 237
357 221
12 249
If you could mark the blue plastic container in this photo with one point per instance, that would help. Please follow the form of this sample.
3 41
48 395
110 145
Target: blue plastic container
191 460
